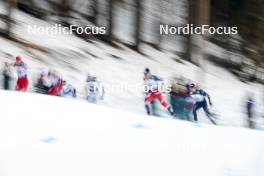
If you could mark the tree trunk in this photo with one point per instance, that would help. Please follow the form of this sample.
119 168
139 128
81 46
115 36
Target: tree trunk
203 19
111 20
191 20
64 9
159 20
95 9
138 24
10 5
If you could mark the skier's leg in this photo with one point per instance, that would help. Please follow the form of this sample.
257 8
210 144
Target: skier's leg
196 108
45 89
18 84
163 102
24 82
153 107
92 99
147 109
51 90
89 99
195 113
173 103
6 82
149 98
207 112
250 121
205 108
59 88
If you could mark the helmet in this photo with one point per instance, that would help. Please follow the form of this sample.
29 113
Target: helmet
90 76
18 58
44 72
192 85
147 70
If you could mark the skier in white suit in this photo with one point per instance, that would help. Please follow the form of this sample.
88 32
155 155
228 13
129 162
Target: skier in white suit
94 89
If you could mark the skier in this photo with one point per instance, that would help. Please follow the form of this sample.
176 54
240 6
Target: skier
43 85
152 83
153 104
180 99
68 91
21 69
7 76
200 96
94 89
250 104
56 83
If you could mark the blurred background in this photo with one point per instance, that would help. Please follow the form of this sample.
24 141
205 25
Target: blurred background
229 67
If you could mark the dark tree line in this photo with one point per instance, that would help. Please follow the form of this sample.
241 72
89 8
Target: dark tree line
248 15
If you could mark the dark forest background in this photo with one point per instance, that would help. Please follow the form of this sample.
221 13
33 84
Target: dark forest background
244 53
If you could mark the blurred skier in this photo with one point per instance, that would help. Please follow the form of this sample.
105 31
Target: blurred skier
7 76
153 104
68 91
21 69
94 89
180 99
43 85
56 83
200 96
250 106
153 83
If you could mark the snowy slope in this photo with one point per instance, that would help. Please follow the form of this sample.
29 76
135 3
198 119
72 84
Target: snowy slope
43 135
73 58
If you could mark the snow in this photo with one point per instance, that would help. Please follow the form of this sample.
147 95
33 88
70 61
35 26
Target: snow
43 135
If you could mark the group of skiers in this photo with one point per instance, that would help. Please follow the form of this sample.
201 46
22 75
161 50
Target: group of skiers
185 98
184 104
21 70
49 82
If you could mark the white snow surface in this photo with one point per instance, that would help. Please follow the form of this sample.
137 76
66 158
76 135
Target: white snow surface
43 135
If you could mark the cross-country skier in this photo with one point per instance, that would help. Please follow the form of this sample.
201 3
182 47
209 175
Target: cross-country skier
153 104
7 76
22 79
68 91
43 84
94 89
250 104
153 85
200 96
180 99
56 83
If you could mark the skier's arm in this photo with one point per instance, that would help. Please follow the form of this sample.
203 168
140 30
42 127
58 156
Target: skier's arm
209 99
13 65
156 78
